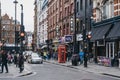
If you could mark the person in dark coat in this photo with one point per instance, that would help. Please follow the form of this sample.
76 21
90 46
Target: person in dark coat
4 61
85 57
21 62
15 60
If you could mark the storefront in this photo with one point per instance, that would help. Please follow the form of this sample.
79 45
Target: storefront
106 40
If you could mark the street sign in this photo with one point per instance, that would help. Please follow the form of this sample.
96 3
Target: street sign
79 37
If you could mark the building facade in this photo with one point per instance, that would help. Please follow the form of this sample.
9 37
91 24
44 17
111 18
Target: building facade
105 29
43 24
59 16
83 13
8 29
28 40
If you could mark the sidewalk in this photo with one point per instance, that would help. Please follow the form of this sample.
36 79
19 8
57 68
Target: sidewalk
14 71
93 68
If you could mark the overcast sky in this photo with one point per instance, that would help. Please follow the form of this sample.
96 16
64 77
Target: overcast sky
8 7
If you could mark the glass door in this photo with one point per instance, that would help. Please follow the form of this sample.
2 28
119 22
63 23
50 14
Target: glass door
110 49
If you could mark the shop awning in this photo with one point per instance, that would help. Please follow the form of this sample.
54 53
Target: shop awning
115 32
99 32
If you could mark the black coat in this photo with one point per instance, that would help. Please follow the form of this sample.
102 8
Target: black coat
21 60
4 57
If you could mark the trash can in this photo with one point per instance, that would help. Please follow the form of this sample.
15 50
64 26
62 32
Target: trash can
112 62
116 63
75 59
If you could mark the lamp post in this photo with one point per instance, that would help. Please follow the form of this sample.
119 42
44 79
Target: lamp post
22 33
15 2
71 24
74 38
57 31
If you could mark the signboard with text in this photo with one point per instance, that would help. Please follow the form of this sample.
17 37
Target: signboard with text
68 38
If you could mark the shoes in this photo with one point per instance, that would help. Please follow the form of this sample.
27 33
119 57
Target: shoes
6 72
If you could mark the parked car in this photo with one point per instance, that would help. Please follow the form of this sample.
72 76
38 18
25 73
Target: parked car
35 58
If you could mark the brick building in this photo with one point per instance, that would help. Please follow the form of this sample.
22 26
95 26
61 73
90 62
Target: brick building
8 29
59 15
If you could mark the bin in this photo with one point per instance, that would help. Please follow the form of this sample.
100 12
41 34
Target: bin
75 59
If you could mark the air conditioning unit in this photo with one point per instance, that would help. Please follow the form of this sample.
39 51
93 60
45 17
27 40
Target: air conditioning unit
101 43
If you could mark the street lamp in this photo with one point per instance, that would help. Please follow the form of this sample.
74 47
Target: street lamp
22 33
15 2
74 38
71 24
57 31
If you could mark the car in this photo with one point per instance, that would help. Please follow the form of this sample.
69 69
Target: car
35 58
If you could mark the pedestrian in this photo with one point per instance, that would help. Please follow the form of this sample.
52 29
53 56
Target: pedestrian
9 58
85 57
81 54
15 59
21 62
4 61
68 55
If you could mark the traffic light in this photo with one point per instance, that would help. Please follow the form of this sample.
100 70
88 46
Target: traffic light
22 36
89 37
17 36
22 33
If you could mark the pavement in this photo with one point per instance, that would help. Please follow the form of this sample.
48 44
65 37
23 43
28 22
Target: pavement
92 68
14 71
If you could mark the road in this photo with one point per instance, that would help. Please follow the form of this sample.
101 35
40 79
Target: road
48 71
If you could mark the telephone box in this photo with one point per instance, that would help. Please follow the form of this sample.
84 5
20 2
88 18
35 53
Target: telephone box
61 53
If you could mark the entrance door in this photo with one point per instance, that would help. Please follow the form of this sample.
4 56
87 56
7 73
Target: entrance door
110 46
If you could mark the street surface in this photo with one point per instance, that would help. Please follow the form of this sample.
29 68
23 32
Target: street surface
48 71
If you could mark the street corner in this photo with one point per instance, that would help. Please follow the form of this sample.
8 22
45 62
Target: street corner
27 71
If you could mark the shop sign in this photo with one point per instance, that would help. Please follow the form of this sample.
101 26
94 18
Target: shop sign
68 38
62 40
79 37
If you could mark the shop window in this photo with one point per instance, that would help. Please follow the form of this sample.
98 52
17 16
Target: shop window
101 43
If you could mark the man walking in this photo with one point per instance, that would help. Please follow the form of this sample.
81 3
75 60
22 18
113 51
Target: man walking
21 62
4 61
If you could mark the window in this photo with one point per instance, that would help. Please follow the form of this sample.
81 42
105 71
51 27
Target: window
81 6
60 3
81 26
68 11
71 8
90 2
67 29
77 9
105 10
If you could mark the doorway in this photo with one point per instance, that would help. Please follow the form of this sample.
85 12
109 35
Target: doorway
110 49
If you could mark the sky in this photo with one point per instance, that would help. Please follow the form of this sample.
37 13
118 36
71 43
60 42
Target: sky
7 6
